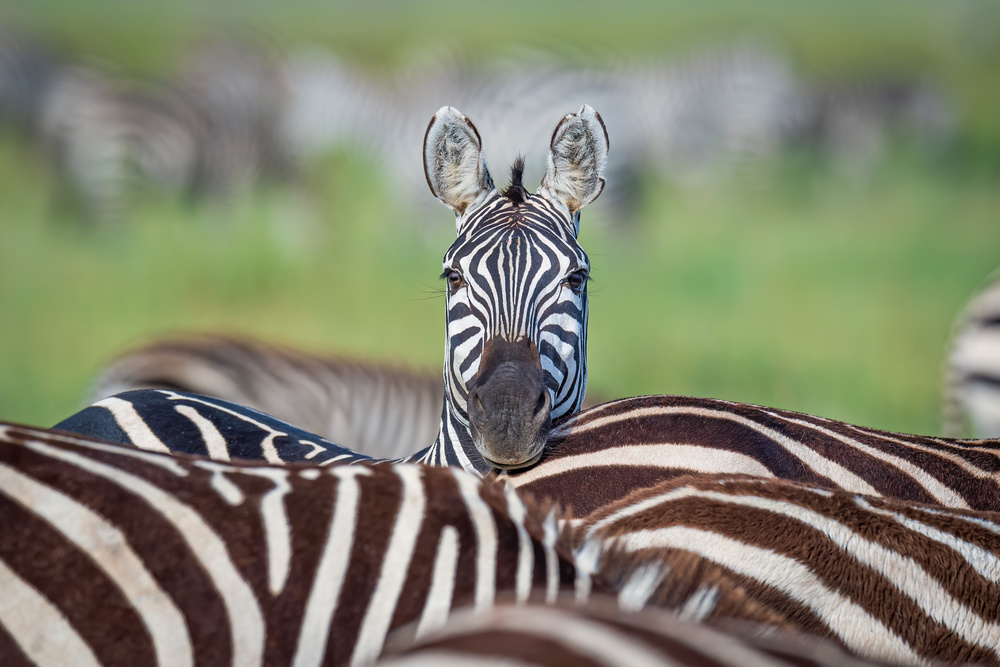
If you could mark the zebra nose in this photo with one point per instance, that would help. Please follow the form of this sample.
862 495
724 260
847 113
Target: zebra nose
510 407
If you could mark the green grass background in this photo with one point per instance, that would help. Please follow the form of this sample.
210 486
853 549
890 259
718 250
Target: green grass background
796 288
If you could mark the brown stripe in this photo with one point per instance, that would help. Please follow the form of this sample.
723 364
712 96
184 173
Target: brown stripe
92 604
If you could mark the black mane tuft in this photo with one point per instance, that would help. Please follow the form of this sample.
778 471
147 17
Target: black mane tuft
515 191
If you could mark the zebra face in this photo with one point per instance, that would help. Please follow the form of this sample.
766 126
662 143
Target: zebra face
515 348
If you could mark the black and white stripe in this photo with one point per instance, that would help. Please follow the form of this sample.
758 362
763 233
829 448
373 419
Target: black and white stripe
603 453
972 373
512 269
890 580
379 410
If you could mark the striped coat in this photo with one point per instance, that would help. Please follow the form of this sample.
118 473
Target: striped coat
889 580
380 410
116 556
600 634
600 455
972 373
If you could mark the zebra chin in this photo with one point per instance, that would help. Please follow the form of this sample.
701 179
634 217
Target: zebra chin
510 408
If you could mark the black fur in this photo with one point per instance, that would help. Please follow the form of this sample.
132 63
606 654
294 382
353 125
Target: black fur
515 191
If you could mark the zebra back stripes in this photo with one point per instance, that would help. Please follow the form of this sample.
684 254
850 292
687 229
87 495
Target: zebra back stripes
890 580
379 410
601 454
166 421
972 373
600 634
127 557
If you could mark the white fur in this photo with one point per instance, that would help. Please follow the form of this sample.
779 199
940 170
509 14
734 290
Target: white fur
578 155
453 160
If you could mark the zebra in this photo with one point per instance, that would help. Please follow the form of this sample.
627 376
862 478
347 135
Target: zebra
672 116
596 633
110 555
600 455
642 440
972 374
209 131
890 580
516 303
380 410
383 410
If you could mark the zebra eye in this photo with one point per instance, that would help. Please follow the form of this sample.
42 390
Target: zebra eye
454 278
577 280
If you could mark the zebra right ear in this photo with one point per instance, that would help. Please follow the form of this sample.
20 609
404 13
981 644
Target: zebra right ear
578 154
453 160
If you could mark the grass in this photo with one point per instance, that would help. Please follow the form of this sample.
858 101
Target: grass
796 289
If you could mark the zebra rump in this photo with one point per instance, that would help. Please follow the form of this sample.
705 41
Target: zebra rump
116 556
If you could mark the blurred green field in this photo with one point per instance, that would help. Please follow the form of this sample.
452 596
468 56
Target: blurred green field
811 293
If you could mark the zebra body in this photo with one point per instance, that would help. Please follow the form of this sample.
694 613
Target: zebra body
167 421
972 374
110 556
601 454
378 410
601 634
890 580
114 556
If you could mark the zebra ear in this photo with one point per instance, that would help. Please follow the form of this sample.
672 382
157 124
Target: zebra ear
453 160
578 154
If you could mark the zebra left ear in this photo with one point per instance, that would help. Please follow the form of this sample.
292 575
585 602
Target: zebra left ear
453 160
578 154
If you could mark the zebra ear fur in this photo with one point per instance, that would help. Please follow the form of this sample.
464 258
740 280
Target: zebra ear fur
453 160
578 154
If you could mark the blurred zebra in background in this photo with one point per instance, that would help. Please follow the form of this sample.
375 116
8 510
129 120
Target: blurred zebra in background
237 111
972 372
210 130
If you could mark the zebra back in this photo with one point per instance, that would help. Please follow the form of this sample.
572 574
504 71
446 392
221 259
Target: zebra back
601 454
379 410
890 580
601 634
972 373
116 556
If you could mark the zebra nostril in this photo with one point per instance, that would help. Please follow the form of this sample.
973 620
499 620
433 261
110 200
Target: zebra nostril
475 405
542 403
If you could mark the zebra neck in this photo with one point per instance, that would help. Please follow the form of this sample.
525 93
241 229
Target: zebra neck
453 446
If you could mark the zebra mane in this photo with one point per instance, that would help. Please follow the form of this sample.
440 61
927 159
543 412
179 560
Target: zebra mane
515 191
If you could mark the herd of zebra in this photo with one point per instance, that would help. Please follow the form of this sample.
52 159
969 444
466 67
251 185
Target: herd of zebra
236 111
164 526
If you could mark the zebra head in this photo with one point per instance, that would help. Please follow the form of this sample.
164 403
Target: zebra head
515 347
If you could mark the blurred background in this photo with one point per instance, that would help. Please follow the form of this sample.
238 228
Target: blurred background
800 199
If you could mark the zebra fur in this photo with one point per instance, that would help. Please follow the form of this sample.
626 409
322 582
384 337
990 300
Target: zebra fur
131 557
598 633
112 556
600 455
889 580
972 372
380 410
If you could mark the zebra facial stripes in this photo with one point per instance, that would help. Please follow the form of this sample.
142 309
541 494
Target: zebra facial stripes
515 347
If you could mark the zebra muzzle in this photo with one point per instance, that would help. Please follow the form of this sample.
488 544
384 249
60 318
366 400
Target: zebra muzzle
509 404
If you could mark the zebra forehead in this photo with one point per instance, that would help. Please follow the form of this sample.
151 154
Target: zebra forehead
531 226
